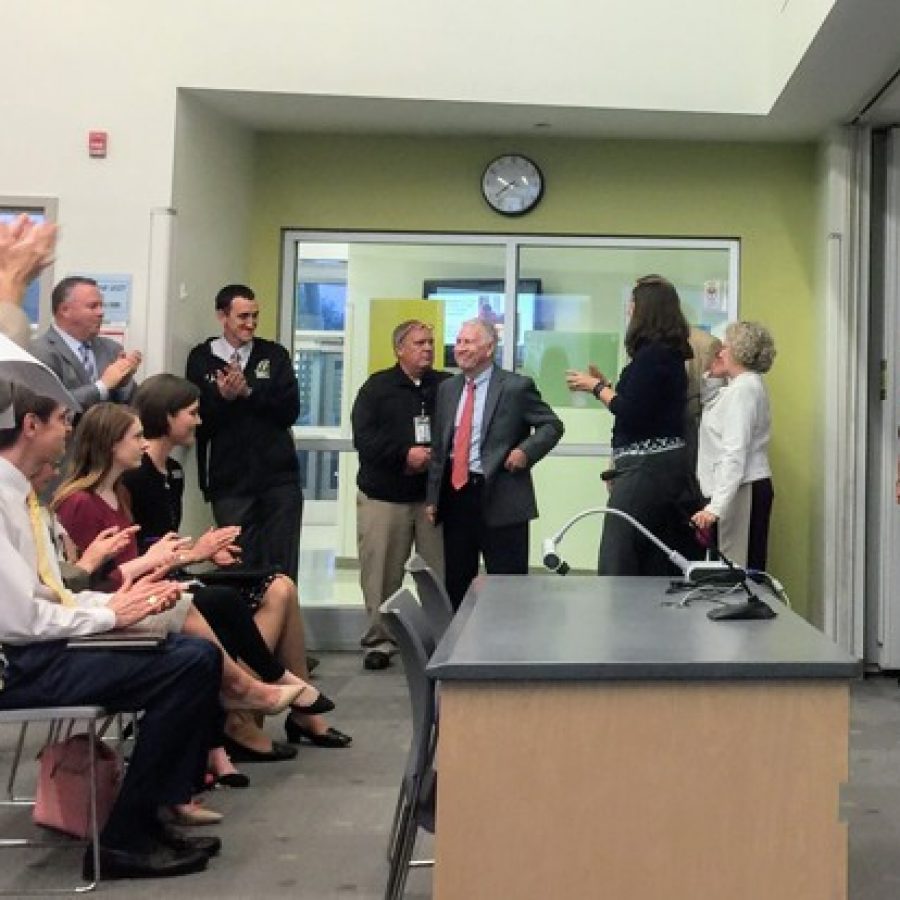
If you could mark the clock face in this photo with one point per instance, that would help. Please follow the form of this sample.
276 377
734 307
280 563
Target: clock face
512 185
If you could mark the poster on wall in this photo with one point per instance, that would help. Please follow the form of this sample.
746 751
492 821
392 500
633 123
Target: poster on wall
116 290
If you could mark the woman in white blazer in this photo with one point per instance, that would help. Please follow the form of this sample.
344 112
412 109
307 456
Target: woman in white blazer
733 462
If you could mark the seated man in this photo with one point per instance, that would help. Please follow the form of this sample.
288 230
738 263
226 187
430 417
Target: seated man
176 687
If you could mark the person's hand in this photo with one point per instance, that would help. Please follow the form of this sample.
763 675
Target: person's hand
431 514
227 556
26 249
147 596
108 544
167 552
516 461
584 381
704 518
213 542
120 369
231 383
417 460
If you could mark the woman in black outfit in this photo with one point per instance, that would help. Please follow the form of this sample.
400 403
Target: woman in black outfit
259 620
651 479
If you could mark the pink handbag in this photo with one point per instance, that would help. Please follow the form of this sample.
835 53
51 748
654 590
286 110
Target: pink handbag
63 797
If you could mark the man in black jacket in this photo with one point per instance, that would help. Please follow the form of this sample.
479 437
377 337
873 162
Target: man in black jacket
392 433
245 451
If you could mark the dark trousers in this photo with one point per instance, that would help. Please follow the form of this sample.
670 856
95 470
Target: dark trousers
230 618
657 490
270 526
177 686
762 498
467 536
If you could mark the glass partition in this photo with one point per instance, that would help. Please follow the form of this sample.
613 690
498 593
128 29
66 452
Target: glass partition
563 300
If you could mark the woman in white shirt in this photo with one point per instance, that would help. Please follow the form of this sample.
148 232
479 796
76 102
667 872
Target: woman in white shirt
733 463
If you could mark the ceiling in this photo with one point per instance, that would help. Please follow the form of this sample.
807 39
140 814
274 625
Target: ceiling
853 57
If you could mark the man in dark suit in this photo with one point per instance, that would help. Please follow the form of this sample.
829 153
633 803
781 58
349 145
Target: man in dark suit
490 427
93 368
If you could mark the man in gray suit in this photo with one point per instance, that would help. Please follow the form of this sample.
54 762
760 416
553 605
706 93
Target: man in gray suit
490 427
93 368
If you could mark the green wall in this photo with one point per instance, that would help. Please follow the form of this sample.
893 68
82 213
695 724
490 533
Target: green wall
763 194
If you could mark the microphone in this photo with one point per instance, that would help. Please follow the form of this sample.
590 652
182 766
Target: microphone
704 572
554 562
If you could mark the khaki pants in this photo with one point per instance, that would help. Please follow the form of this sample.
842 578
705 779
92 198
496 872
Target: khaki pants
385 534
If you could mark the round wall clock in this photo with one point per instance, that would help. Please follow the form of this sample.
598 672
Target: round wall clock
512 184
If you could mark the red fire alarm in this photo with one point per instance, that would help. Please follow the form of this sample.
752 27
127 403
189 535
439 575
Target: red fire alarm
97 142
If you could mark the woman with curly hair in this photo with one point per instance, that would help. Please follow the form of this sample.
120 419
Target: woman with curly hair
651 479
733 461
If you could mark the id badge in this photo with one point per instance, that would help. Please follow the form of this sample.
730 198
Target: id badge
422 430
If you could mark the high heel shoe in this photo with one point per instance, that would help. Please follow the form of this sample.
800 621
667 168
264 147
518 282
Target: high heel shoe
320 705
332 738
285 695
190 814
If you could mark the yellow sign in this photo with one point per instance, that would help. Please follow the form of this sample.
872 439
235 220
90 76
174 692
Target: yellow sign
385 315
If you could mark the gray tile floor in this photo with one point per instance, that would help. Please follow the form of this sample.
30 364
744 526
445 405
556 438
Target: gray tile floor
316 828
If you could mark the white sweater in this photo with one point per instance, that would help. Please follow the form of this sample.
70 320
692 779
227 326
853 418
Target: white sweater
734 440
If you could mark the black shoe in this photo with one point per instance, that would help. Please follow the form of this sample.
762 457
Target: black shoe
232 780
161 862
183 843
376 659
312 663
319 706
240 753
332 739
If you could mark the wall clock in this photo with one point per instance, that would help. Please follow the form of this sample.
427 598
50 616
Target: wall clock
512 184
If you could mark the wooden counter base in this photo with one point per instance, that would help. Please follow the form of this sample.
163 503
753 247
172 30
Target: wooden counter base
642 791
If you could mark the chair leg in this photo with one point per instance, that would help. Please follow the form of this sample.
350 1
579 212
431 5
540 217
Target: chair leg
95 828
14 769
405 849
406 822
395 823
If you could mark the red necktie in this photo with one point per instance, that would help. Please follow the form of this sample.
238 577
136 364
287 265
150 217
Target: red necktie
462 440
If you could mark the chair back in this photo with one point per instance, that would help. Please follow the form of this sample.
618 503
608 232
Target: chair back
432 595
407 624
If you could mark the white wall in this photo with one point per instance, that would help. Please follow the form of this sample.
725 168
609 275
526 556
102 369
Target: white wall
212 189
104 64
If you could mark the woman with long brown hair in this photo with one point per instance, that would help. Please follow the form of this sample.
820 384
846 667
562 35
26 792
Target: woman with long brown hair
651 478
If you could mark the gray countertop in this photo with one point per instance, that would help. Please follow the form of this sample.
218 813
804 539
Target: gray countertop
585 628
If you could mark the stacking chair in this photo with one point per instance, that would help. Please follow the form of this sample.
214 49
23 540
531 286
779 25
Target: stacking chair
408 626
54 716
432 595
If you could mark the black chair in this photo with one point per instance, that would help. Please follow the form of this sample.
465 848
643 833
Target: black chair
408 625
432 595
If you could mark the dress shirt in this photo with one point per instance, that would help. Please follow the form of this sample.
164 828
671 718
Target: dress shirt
28 611
481 388
221 348
734 440
75 346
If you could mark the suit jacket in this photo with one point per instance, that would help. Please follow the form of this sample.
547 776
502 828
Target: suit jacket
55 353
514 416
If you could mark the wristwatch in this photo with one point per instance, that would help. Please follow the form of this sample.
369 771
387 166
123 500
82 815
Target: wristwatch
599 386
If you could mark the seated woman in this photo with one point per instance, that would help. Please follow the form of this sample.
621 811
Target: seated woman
169 410
110 442
733 461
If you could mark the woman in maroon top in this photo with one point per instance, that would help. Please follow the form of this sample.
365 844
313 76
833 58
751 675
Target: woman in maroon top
109 442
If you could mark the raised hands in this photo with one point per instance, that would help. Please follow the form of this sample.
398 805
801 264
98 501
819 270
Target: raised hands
147 596
26 249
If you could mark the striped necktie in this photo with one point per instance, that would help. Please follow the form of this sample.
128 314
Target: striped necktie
46 572
87 360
